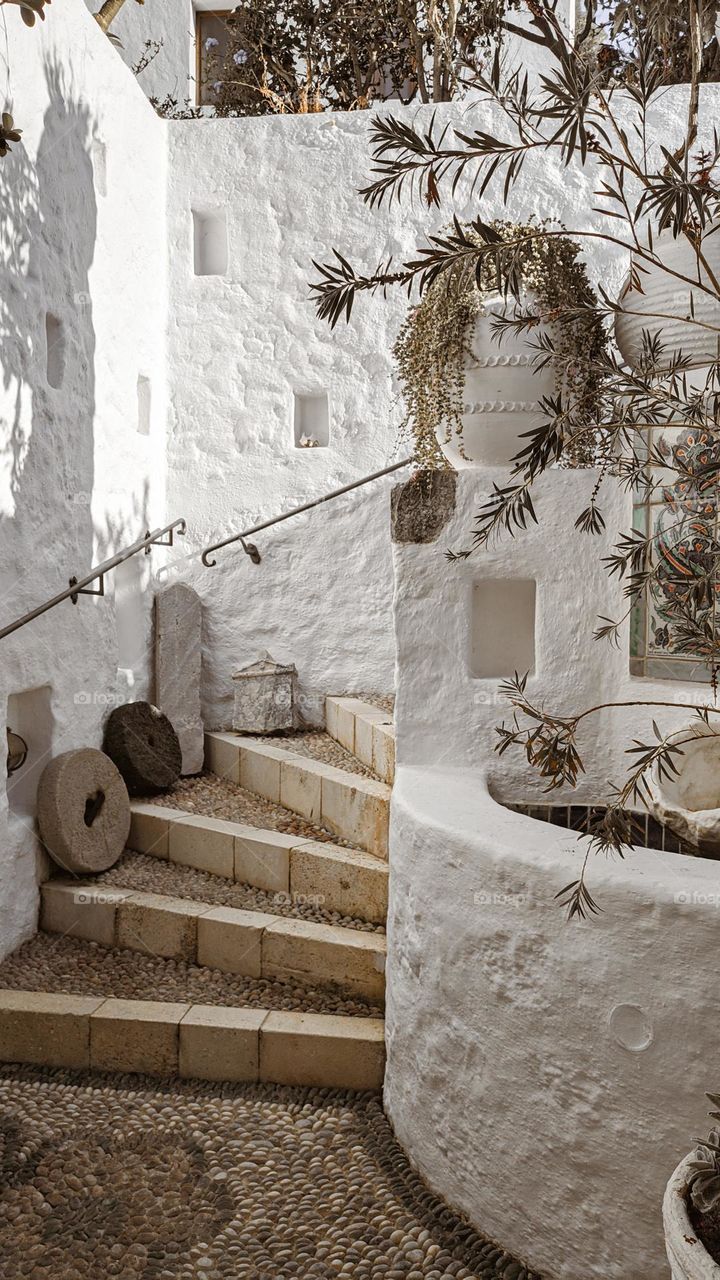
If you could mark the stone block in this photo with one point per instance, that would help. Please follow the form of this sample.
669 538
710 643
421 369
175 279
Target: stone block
160 926
420 508
230 939
323 1050
222 755
219 1043
178 656
47 1029
81 911
301 787
260 770
205 843
83 811
383 752
149 826
353 883
321 953
262 858
265 697
136 1035
358 811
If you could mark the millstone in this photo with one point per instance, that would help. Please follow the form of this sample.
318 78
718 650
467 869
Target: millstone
143 744
83 811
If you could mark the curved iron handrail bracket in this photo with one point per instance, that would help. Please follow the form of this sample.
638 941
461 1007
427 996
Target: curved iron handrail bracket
80 586
251 550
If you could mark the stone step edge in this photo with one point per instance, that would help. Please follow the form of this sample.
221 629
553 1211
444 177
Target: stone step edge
365 731
205 1042
350 881
356 808
253 944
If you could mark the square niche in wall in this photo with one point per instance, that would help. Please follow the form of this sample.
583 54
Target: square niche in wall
210 242
311 419
502 627
29 714
144 405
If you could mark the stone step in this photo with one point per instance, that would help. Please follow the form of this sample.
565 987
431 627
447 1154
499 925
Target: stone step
244 942
354 807
348 881
365 730
205 1042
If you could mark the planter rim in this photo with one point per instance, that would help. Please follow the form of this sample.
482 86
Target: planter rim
688 1257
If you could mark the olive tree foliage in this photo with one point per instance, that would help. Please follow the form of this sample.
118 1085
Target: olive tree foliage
340 55
30 10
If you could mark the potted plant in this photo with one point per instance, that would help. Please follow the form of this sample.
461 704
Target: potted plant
475 376
691 1210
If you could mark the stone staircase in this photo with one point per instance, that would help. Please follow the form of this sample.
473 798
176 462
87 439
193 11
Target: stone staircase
219 949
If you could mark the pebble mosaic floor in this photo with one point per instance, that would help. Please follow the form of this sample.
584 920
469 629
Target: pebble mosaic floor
154 875
315 745
51 962
135 1179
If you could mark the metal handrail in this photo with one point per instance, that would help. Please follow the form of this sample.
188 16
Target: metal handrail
79 586
251 550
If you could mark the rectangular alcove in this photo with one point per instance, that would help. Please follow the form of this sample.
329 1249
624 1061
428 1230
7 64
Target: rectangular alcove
54 350
502 627
29 714
99 164
131 614
210 242
144 404
311 419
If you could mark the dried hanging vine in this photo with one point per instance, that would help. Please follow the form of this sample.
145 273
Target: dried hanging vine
434 341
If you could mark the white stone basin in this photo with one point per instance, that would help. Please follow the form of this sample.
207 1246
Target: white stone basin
688 1259
689 801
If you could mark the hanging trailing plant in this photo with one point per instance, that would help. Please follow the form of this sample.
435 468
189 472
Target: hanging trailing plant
434 341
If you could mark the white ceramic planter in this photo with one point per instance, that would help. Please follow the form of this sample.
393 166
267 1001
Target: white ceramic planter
688 1259
501 395
689 802
663 295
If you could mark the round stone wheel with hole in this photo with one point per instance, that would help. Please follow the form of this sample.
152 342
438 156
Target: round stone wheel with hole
141 741
83 811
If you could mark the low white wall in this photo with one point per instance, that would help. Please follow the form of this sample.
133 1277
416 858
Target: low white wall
83 237
509 1081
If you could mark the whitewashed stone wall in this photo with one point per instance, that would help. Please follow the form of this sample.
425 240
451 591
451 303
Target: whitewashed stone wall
82 237
561 1124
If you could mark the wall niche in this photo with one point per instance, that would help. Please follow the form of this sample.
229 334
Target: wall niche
210 242
54 350
502 627
29 714
311 419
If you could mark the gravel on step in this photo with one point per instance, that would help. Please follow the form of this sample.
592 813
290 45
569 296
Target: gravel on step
313 744
218 798
51 962
142 1179
383 701
154 875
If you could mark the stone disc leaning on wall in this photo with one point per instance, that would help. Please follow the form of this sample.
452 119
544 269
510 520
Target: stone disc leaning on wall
83 811
141 741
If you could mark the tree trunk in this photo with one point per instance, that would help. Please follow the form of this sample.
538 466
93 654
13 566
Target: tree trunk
108 13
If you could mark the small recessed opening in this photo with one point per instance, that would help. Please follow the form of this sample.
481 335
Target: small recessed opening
29 714
98 154
502 628
93 807
55 350
144 405
311 420
211 242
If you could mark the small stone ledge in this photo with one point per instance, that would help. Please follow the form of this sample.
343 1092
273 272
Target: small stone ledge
420 508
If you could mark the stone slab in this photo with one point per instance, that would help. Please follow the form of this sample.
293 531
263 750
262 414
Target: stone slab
178 661
136 1035
324 1050
220 1043
45 1028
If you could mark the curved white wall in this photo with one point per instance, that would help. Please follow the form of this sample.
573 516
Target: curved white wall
506 1082
510 1082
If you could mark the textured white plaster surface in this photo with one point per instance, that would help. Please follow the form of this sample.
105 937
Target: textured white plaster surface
77 482
509 1082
